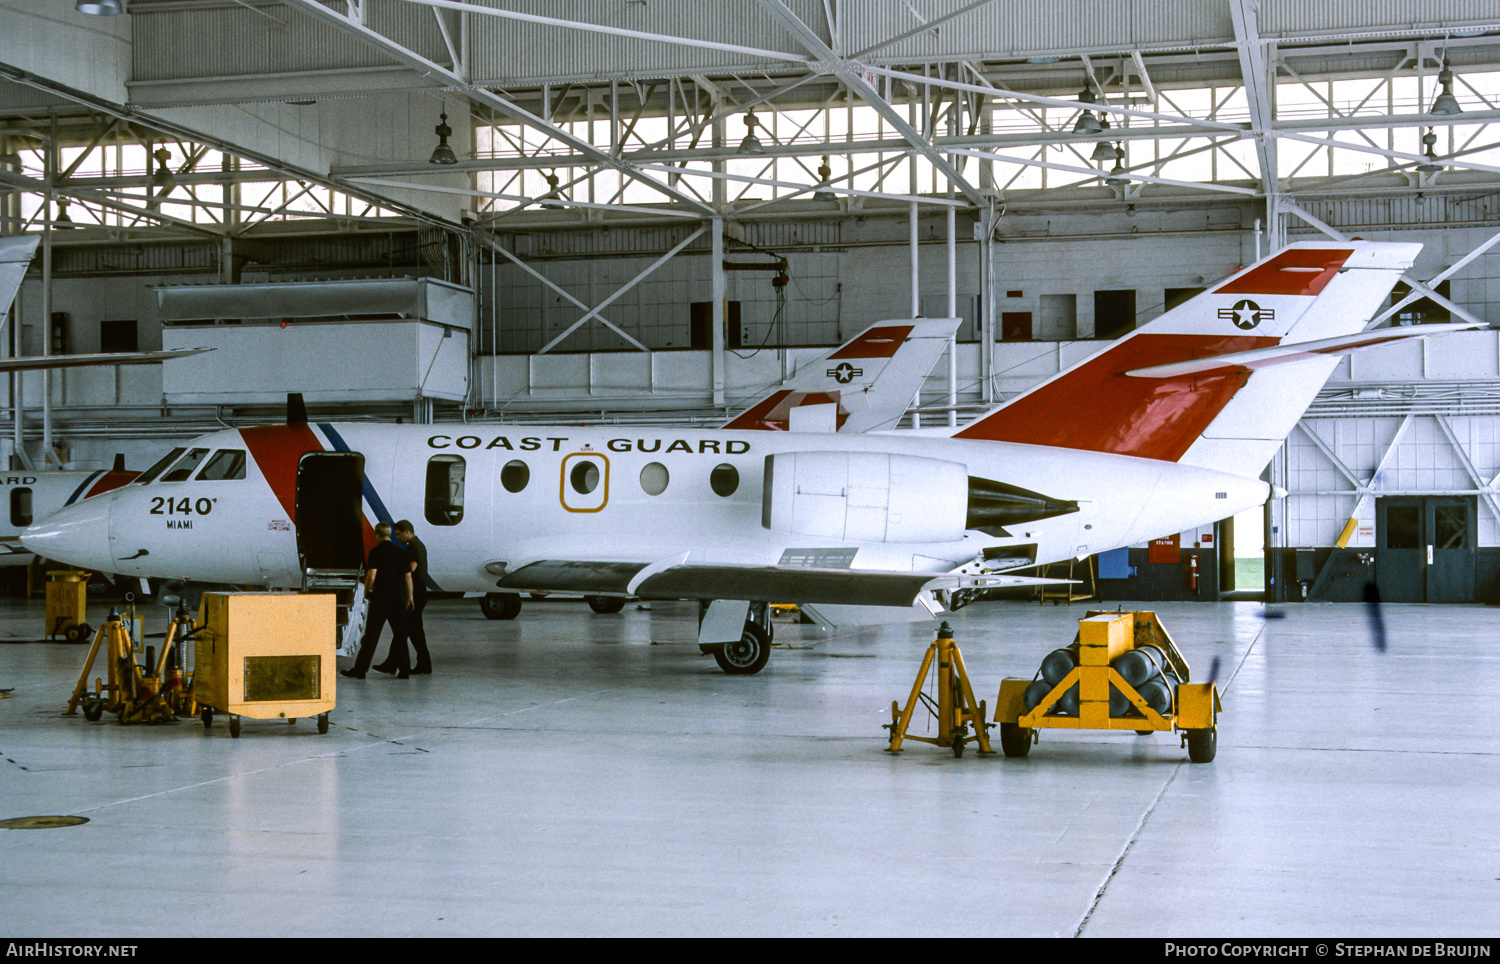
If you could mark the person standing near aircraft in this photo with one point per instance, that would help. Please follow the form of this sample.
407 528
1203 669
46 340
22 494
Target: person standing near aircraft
388 588
416 555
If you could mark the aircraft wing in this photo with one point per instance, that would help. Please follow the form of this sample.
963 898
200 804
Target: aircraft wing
871 379
1297 351
15 255
38 362
794 584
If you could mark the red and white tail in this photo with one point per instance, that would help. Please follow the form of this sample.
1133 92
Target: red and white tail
865 384
1273 333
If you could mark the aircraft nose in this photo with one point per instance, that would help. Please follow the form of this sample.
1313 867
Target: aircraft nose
77 535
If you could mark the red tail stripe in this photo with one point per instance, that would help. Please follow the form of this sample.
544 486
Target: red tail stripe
882 342
1098 408
1295 271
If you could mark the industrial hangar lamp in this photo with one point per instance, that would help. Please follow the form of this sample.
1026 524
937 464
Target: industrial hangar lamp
1446 104
824 173
1117 174
100 8
1087 122
162 177
751 144
443 154
1102 150
550 199
1431 165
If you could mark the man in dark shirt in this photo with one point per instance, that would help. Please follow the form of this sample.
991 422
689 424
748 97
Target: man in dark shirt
416 557
388 598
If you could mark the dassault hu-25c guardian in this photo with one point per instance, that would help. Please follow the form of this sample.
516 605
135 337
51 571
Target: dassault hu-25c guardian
1165 429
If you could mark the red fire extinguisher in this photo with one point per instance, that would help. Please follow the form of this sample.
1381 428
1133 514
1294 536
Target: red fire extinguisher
1192 571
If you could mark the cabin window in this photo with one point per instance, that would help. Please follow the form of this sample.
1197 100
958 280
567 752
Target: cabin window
585 477
515 475
184 468
160 467
654 478
445 490
226 464
20 507
724 479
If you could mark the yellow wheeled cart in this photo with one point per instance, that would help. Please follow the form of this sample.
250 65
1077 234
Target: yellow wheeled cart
67 604
265 656
1110 647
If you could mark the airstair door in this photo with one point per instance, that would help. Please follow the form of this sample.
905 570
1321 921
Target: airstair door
330 522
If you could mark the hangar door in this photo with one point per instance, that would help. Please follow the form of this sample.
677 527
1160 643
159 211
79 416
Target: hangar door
1426 548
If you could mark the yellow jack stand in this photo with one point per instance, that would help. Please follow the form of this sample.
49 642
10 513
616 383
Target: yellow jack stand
955 707
137 694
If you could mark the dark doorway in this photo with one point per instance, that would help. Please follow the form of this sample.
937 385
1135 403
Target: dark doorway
1015 326
1426 548
1114 313
701 325
330 523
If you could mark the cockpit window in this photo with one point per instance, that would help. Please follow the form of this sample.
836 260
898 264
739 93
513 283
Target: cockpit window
150 474
226 464
185 467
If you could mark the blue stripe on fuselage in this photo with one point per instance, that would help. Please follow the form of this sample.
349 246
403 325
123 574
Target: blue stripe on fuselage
83 486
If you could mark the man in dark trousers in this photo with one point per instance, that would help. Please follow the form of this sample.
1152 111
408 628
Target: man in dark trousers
416 558
388 598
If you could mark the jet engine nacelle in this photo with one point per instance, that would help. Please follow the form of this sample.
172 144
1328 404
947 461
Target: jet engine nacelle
865 496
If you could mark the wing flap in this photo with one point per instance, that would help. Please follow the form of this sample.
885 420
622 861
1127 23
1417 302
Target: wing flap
794 584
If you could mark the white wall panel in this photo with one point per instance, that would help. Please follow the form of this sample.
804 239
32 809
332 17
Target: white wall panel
52 40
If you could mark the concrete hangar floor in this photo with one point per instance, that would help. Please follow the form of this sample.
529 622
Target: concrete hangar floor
578 774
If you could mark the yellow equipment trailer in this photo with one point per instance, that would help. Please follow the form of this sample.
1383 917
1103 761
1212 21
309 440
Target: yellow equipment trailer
265 656
1103 638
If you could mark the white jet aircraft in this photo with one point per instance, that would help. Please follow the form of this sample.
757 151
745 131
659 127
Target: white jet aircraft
29 496
1163 430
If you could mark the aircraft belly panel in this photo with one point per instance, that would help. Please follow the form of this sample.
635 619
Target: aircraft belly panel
572 576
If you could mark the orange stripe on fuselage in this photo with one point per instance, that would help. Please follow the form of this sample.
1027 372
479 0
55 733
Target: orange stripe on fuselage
1098 408
110 481
277 449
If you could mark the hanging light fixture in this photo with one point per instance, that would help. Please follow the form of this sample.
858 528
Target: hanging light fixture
1446 104
1117 174
1102 150
824 173
751 144
443 154
162 177
62 222
1430 165
100 8
550 199
1087 123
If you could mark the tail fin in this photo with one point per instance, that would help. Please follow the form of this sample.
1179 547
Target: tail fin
1230 417
872 378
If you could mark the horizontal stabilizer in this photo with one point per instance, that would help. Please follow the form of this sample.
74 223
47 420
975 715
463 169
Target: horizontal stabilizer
38 362
1297 352
792 584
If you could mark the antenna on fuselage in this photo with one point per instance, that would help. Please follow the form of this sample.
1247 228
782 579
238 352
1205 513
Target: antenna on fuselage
119 465
296 411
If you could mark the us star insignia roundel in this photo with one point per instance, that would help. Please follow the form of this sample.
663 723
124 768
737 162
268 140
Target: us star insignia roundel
1247 314
845 373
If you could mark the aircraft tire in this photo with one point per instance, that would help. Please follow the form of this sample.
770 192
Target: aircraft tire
748 656
604 605
500 605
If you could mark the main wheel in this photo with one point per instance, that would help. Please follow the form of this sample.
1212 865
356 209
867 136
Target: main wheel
749 655
1203 744
500 605
1015 740
605 605
78 633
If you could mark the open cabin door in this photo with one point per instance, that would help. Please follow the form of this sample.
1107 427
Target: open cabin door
330 522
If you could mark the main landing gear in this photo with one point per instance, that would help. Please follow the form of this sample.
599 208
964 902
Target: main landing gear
500 605
737 657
